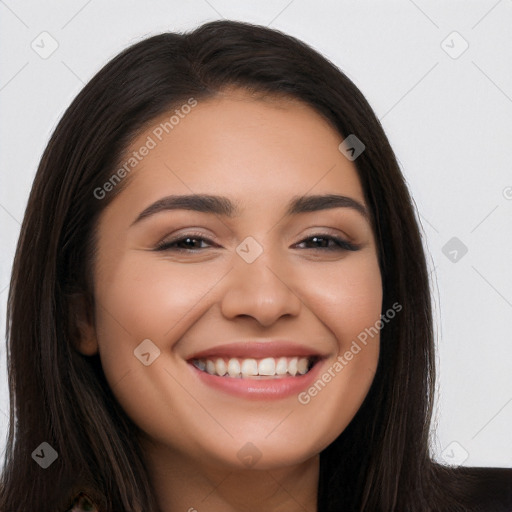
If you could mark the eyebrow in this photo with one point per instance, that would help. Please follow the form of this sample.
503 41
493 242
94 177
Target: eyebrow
220 205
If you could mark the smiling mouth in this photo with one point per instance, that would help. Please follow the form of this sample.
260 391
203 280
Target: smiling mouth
251 368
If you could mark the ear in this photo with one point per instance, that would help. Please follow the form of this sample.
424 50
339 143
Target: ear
82 325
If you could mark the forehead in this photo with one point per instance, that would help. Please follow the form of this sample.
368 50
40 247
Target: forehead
237 144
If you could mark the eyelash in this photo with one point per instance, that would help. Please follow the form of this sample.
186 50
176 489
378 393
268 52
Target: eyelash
341 245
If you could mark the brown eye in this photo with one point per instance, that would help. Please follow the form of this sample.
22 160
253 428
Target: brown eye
183 243
328 243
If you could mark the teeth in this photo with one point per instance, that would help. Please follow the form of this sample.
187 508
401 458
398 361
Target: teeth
249 367
302 366
210 367
292 366
281 366
234 368
252 368
267 366
220 367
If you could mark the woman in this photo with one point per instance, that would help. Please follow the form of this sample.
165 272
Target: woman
220 299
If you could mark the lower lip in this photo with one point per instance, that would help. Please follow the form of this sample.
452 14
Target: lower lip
262 389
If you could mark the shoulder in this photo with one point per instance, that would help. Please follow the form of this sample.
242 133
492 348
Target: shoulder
480 489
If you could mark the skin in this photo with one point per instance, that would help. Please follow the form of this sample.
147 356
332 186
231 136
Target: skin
259 153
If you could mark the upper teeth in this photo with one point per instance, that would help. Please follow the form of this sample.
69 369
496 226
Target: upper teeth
252 368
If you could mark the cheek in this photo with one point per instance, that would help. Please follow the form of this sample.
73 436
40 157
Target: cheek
348 301
146 298
346 296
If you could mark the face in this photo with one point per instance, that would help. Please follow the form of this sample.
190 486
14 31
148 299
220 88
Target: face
264 284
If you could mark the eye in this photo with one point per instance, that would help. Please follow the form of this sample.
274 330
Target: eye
195 243
323 241
187 242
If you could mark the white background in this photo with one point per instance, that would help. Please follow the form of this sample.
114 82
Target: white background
449 121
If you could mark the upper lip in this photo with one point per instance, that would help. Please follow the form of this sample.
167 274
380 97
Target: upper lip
258 350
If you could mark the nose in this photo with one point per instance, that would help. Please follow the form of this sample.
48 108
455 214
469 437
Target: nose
263 290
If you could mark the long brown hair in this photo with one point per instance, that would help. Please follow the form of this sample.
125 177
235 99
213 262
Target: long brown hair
381 462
